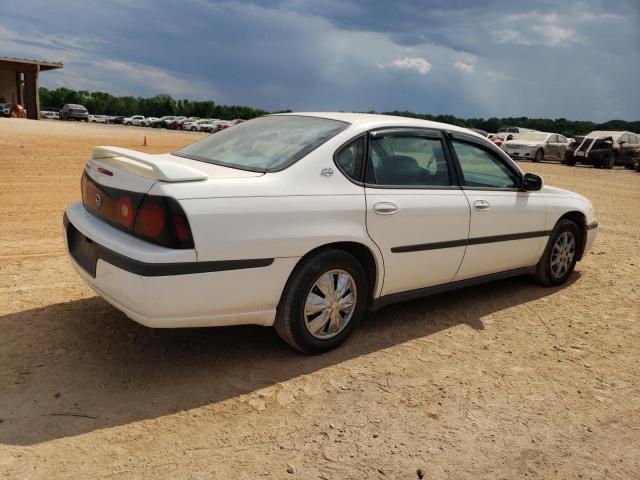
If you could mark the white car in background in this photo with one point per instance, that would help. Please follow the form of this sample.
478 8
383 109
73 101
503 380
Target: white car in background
135 120
47 114
148 120
508 133
305 221
537 146
5 109
195 125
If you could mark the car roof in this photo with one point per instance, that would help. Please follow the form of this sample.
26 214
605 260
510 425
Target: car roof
606 133
373 120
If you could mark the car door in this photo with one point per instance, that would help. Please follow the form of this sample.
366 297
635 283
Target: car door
563 143
416 213
625 149
553 147
507 224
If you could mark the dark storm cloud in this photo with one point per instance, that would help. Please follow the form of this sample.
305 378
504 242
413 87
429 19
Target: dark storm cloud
577 59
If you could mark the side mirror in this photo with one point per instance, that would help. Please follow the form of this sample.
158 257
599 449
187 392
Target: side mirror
532 182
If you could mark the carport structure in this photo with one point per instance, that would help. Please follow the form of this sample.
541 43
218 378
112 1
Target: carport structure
19 82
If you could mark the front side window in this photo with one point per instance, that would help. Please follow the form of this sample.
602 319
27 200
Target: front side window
349 159
408 160
482 168
264 144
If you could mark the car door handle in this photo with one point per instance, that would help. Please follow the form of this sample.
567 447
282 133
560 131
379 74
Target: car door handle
385 208
481 205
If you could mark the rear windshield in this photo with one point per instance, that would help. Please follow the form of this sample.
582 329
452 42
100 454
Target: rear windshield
265 144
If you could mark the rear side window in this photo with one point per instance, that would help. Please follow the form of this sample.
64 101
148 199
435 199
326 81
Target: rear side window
408 160
265 144
350 159
482 168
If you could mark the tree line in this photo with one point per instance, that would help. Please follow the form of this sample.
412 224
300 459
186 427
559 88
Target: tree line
101 103
568 128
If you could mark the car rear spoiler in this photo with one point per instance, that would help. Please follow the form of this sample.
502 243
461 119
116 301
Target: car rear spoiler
164 170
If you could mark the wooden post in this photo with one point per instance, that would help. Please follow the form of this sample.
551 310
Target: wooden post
31 92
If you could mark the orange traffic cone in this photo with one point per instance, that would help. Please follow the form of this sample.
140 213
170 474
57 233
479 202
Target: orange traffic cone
144 143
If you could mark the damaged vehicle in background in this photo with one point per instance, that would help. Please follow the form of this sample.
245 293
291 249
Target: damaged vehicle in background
537 146
605 149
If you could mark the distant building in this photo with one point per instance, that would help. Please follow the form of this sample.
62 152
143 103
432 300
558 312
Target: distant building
19 82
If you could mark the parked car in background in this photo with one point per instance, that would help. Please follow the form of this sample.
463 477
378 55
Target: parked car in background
178 124
56 116
72 111
206 125
537 146
193 125
605 149
222 124
318 218
161 122
513 132
170 124
148 120
117 119
135 120
47 114
5 109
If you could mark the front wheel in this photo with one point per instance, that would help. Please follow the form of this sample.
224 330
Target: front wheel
610 161
560 255
539 156
323 302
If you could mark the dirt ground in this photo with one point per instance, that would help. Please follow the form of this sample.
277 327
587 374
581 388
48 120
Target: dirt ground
507 380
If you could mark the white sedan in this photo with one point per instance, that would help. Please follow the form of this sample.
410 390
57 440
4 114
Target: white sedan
305 221
537 146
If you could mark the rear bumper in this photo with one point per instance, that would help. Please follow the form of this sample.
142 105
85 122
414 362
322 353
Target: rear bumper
175 294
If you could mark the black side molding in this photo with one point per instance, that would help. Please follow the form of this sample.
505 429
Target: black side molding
381 302
471 241
592 225
87 252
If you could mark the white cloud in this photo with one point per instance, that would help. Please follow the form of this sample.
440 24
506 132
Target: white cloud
418 64
464 67
533 28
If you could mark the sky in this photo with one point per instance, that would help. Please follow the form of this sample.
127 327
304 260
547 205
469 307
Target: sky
538 58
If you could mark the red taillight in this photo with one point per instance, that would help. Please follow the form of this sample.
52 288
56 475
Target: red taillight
150 219
162 221
181 228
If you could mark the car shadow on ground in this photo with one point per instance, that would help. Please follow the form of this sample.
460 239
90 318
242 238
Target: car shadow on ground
75 367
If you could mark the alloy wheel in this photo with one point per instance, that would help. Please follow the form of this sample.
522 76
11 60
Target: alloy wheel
562 254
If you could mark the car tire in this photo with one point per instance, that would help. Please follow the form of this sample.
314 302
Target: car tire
539 156
193 129
560 255
297 327
610 162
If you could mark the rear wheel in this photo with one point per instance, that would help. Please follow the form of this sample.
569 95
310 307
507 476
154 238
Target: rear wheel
560 255
323 302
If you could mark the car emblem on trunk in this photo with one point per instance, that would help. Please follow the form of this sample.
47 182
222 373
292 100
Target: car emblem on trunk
327 172
98 200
